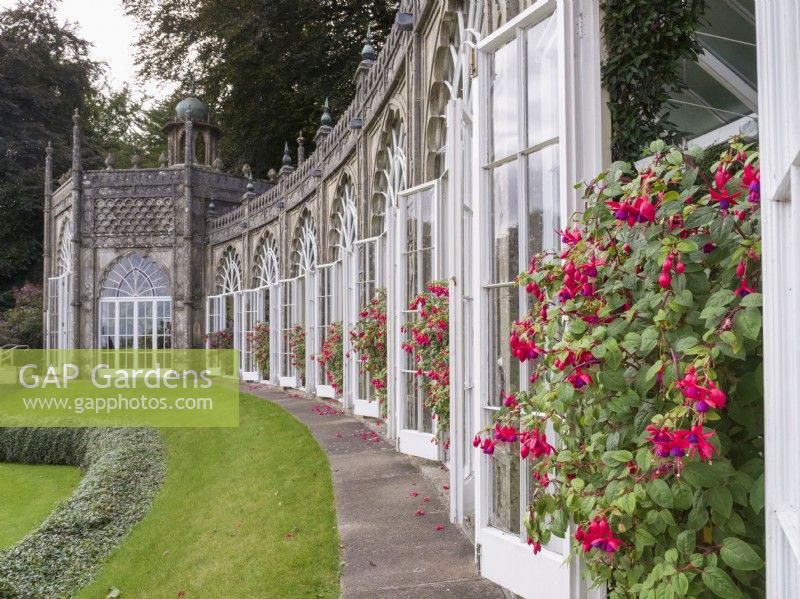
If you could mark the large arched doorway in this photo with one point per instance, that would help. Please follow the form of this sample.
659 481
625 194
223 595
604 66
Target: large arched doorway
135 311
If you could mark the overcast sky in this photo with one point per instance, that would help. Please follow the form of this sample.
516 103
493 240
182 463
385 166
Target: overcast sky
113 37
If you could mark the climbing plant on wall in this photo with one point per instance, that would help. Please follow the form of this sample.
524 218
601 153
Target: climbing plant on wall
645 351
645 42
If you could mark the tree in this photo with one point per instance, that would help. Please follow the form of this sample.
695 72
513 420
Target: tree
264 66
45 73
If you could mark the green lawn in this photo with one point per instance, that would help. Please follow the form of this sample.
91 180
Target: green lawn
28 494
244 512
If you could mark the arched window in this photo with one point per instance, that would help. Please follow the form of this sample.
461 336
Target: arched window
64 261
265 270
304 245
343 220
134 276
135 310
59 320
391 174
229 272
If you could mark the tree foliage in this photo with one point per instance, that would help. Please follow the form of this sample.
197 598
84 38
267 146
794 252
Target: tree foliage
45 73
265 67
645 43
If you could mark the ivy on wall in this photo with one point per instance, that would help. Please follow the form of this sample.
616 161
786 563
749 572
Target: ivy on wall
645 43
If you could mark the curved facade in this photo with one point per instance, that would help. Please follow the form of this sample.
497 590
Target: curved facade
456 160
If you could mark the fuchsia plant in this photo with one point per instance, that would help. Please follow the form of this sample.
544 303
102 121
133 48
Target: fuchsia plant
369 344
428 342
332 357
644 347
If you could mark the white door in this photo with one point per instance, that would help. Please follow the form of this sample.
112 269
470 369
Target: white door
252 311
779 125
325 284
538 85
460 267
291 303
365 279
417 260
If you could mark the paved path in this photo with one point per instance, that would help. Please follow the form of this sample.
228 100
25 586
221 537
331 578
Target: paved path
387 550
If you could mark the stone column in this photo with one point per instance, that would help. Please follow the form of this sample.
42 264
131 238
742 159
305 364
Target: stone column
185 279
77 226
48 228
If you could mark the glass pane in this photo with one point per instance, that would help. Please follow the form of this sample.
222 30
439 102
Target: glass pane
543 199
504 512
504 369
541 57
729 32
503 98
707 94
505 223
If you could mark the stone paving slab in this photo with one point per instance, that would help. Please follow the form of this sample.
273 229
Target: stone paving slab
387 550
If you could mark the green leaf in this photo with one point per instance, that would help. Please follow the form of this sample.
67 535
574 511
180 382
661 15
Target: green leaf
627 503
687 245
681 584
723 297
686 542
748 322
660 493
685 298
649 340
752 300
719 583
685 343
757 494
653 370
739 555
720 500
613 380
616 458
643 537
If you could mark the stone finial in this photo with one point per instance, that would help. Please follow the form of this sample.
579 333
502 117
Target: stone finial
287 157
76 143
136 161
368 51
301 149
327 119
218 165
272 175
212 209
111 162
49 150
162 160
247 171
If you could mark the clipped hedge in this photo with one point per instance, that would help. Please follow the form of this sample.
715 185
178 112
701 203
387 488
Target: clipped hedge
123 469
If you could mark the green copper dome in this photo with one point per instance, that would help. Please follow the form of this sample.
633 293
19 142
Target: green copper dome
196 105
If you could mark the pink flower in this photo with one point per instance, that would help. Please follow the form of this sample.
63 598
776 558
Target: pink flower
698 444
598 534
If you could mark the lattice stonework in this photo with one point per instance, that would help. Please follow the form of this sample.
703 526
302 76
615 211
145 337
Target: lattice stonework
131 216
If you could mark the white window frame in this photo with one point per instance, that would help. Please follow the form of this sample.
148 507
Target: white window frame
505 558
361 296
411 439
